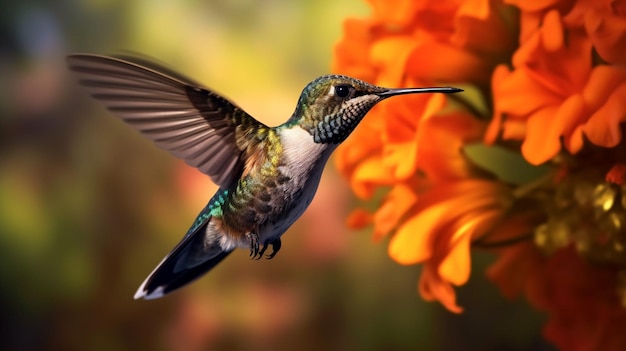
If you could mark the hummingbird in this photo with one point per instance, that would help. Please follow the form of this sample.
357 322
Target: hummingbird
267 176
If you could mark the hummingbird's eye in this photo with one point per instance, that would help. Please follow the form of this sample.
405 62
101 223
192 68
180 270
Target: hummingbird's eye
342 91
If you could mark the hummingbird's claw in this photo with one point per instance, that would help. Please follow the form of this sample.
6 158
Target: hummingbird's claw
254 244
261 252
256 253
275 248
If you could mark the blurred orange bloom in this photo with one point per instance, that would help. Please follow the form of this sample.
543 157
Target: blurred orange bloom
584 311
399 145
405 154
545 83
603 22
555 92
448 217
404 40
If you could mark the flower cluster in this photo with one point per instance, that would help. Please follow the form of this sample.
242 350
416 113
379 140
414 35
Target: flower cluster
545 85
567 81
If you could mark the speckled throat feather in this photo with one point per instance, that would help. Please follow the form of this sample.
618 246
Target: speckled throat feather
331 123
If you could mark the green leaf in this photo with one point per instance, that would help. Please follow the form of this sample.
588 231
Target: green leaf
507 165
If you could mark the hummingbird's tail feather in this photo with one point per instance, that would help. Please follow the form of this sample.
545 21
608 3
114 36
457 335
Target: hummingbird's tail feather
189 260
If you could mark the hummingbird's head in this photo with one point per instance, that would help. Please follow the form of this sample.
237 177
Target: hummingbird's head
331 106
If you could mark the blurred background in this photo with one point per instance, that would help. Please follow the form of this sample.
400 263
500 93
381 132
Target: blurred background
88 207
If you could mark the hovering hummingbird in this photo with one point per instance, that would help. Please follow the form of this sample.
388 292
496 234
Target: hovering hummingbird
267 176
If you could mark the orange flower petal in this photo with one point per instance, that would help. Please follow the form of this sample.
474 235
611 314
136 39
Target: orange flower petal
602 82
413 242
517 93
369 173
538 148
431 287
552 31
455 267
569 115
608 35
401 158
405 115
485 26
400 12
566 71
513 129
397 202
530 22
500 74
441 139
575 142
563 71
359 219
443 62
389 56
362 143
603 128
349 55
526 51
616 174
478 9
402 134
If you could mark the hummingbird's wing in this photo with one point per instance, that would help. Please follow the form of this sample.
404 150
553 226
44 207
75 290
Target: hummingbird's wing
195 255
192 122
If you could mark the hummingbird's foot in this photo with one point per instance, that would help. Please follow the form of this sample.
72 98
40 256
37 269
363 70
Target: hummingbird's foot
275 248
254 244
261 252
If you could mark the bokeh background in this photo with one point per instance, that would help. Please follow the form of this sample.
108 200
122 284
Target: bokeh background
88 207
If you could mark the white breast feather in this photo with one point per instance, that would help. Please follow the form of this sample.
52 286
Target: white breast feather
301 153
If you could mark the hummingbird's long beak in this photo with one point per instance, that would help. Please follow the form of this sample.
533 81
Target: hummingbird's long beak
394 92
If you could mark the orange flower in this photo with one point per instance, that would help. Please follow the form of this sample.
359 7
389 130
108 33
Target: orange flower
555 92
411 43
406 41
439 231
398 143
603 21
584 311
434 226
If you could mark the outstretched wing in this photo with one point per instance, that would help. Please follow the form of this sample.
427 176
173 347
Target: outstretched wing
193 123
